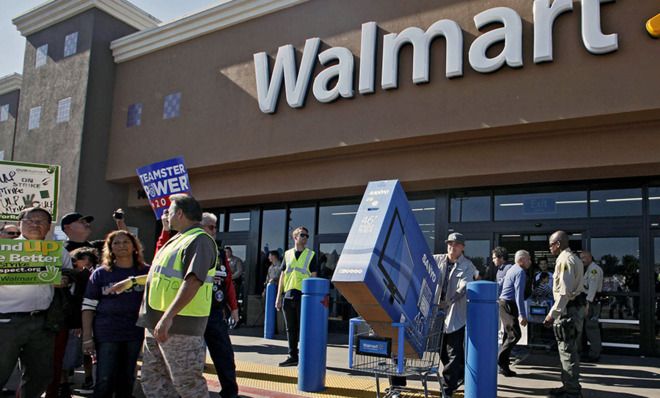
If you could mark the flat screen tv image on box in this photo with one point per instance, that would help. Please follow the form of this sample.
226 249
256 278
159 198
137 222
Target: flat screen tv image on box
386 270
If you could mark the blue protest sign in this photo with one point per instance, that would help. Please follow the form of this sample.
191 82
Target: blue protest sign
162 179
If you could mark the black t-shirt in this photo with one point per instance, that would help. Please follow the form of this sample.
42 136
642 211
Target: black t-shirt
313 267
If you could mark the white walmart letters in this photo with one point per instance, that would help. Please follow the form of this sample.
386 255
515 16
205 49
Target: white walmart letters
511 34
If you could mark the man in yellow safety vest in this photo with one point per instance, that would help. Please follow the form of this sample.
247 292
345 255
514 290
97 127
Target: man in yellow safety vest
299 264
176 306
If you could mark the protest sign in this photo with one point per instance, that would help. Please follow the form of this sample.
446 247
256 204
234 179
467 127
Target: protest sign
30 262
162 179
24 185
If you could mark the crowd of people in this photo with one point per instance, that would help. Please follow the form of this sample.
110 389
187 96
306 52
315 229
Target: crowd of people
111 306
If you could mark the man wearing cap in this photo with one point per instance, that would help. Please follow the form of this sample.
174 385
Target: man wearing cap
456 271
78 229
23 309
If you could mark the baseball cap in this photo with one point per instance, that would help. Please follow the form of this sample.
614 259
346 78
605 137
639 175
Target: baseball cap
73 217
456 237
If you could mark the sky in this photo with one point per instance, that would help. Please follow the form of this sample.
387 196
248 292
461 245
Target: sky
12 43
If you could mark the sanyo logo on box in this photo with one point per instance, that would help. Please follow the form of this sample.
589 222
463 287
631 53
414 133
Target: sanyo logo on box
342 65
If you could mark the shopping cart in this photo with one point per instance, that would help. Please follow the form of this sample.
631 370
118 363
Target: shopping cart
371 353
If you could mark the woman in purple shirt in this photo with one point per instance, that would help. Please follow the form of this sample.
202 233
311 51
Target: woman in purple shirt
109 318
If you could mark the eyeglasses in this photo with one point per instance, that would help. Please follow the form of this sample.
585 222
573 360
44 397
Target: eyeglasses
553 243
304 236
34 222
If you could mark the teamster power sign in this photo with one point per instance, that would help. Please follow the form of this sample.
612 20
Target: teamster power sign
162 179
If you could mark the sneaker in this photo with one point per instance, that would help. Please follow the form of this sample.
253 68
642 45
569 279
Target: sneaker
289 362
507 372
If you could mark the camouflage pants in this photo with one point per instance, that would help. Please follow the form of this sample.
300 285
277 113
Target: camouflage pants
174 368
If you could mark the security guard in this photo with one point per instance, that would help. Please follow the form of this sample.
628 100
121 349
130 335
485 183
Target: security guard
299 264
593 285
567 314
176 306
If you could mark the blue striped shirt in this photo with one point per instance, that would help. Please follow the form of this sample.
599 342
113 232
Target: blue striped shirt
513 288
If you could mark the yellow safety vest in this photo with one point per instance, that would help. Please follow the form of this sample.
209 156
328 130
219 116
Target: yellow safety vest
297 270
167 277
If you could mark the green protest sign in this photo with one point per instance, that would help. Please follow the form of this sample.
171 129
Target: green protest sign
25 185
30 262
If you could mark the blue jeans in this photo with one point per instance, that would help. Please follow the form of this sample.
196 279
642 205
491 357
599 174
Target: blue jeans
222 353
115 368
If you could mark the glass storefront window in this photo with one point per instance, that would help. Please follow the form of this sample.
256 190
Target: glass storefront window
336 219
478 251
656 281
424 211
329 253
654 200
619 259
534 206
616 202
221 222
273 230
305 217
465 208
239 221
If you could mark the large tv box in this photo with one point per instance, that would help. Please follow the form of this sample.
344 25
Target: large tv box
386 270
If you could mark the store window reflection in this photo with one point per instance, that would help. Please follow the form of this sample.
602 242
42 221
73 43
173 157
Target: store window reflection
534 206
336 219
656 280
424 211
619 259
654 200
239 221
273 238
478 251
301 216
616 202
329 254
466 208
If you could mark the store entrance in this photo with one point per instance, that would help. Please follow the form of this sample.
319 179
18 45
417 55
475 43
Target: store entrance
537 246
535 335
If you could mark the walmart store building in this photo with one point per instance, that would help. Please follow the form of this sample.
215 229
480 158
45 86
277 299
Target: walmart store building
504 119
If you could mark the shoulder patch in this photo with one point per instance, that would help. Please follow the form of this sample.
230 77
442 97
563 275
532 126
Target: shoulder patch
594 272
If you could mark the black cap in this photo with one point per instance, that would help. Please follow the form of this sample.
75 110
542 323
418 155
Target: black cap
73 217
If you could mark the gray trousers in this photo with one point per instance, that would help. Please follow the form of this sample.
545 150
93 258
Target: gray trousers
592 330
24 338
568 350
174 368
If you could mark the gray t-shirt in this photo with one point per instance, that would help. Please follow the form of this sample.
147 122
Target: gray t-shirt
198 258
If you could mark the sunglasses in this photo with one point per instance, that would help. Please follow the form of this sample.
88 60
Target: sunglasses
304 236
12 233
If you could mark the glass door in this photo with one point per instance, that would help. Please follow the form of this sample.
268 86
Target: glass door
655 306
619 257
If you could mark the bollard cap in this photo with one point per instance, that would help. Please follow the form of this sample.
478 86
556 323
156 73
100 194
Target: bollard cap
482 291
317 286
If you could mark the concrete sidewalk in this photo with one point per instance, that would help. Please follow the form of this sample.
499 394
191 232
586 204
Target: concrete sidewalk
259 375
538 371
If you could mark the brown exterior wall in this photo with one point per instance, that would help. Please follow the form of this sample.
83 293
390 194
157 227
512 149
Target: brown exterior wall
579 117
8 127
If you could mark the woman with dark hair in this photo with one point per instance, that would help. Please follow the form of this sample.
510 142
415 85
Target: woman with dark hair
109 318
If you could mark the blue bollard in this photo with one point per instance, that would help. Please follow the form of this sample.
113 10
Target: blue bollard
313 334
481 340
270 315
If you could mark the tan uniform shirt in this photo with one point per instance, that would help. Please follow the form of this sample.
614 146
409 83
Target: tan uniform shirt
567 281
593 281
